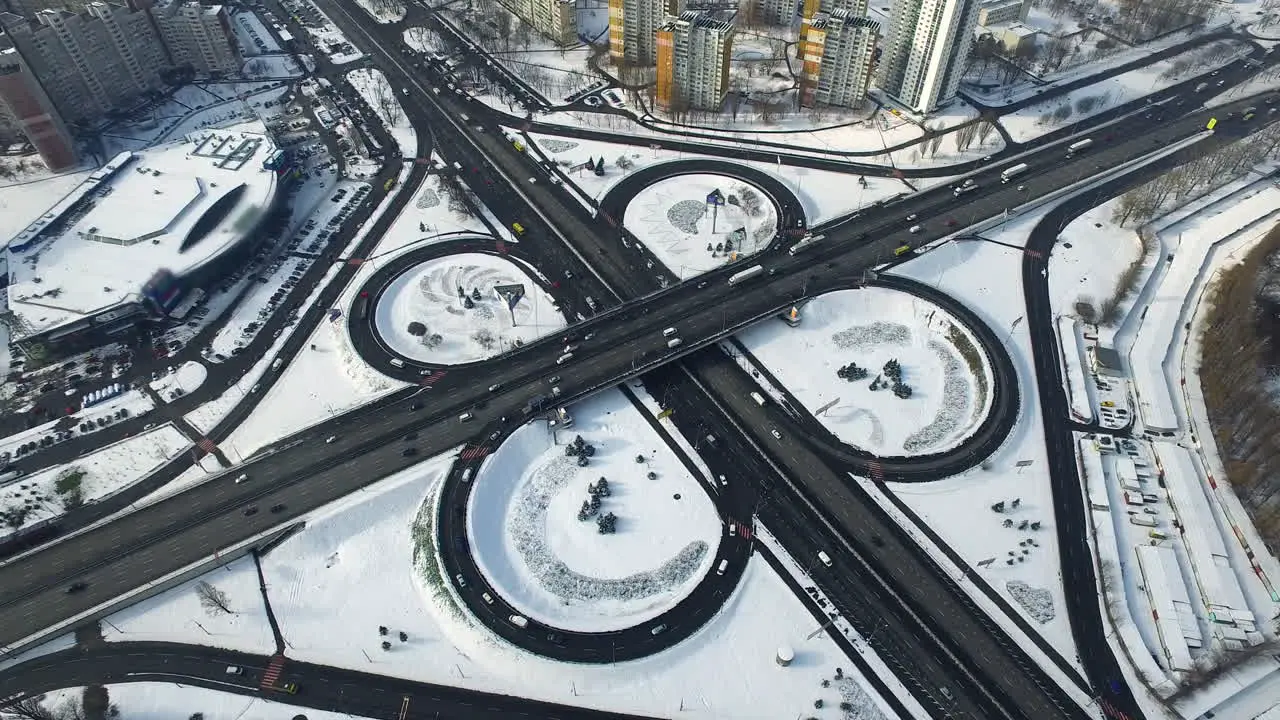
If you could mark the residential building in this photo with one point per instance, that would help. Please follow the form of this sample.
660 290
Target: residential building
1017 38
998 12
856 8
26 110
633 28
774 12
89 63
926 51
693 52
198 36
555 19
837 50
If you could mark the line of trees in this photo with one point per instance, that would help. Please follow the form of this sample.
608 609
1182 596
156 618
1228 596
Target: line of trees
1238 366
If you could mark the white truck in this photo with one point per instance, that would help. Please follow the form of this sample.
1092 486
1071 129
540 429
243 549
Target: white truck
1078 145
1012 172
758 398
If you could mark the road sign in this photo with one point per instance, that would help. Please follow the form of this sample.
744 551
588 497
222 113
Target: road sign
715 197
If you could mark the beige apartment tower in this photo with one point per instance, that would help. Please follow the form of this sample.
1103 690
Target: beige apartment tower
693 53
633 28
837 51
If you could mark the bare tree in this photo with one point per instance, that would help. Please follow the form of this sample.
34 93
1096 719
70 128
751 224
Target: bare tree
212 599
384 99
31 708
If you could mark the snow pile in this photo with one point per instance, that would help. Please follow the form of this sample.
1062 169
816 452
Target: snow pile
690 235
908 380
528 533
532 545
1036 602
423 316
185 379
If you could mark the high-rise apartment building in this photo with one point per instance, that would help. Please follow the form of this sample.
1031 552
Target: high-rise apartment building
927 48
837 51
199 36
774 12
89 63
693 52
857 8
25 109
555 19
633 28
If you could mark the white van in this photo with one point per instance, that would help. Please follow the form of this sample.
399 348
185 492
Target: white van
234 670
824 557
564 358
658 630
915 229
466 474
519 620
668 332
397 362
241 479
466 417
673 343
724 565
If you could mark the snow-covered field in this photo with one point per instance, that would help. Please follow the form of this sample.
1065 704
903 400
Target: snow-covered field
50 492
824 195
451 332
675 221
527 538
222 608
870 327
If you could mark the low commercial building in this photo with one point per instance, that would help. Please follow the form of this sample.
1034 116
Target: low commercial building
1000 12
95 266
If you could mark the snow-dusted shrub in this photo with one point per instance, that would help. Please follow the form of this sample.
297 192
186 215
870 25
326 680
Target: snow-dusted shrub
954 409
1037 602
684 215
863 337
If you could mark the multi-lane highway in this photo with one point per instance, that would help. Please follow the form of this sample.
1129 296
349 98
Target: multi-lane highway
125 553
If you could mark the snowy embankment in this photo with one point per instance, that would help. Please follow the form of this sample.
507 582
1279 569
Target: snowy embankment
1073 372
841 362
533 544
377 91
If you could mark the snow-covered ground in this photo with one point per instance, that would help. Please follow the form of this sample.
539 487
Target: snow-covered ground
384 11
453 333
823 195
223 608
91 477
382 98
329 39
165 701
185 379
870 327
527 538
1034 120
675 221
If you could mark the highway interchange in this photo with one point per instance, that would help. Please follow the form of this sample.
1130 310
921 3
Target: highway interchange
880 575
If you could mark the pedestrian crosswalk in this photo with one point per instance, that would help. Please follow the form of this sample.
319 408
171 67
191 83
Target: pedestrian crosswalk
272 673
475 452
877 471
207 445
433 378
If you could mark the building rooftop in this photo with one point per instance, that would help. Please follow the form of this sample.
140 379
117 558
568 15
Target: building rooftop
175 207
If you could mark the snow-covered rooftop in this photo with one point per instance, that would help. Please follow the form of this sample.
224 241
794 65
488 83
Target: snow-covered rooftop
99 245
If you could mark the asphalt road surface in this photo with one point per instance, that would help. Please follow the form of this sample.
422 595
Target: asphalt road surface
319 687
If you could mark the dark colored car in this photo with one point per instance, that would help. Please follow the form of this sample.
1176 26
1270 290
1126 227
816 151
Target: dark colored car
76 587
277 508
250 511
